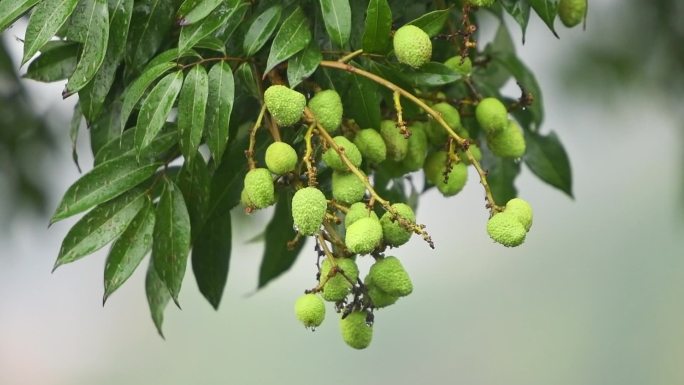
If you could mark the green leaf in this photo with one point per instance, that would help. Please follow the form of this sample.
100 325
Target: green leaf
432 74
100 226
170 55
247 80
104 182
376 35
158 296
137 89
261 30
156 108
293 36
520 11
213 44
527 80
219 108
90 26
129 249
47 18
192 11
547 10
548 160
57 61
150 25
211 258
303 65
433 22
192 104
278 257
362 102
337 20
225 32
171 239
76 119
106 125
501 174
125 146
11 10
194 182
192 34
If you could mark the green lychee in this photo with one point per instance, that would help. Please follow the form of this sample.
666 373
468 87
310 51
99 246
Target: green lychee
356 332
310 310
371 145
363 236
412 46
389 275
337 287
506 229
285 105
509 143
347 187
521 210
417 148
333 159
357 211
475 150
327 108
436 132
393 232
572 12
259 189
461 66
281 158
396 143
491 115
379 298
308 210
435 167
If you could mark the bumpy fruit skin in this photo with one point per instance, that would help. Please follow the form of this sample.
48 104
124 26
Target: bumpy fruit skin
285 105
347 187
571 12
357 211
281 158
363 236
244 199
417 148
436 133
327 108
521 210
379 298
308 210
510 143
355 331
481 3
371 145
396 144
462 66
412 46
333 160
337 287
491 115
390 276
310 310
506 229
393 233
475 150
435 166
259 188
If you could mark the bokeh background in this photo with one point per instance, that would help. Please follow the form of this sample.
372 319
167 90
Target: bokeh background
593 297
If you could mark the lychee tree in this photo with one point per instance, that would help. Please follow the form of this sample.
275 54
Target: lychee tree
340 113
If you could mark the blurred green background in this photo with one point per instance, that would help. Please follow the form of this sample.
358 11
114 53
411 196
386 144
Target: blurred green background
593 297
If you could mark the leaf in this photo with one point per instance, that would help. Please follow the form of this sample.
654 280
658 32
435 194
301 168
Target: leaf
192 11
432 74
278 257
337 20
57 61
548 160
192 34
213 44
520 11
135 91
433 22
11 10
261 30
76 119
192 105
363 102
124 146
47 18
106 181
225 32
303 65
158 297
194 182
501 173
247 80
106 125
219 108
129 249
156 108
100 226
547 10
150 25
293 36
527 80
90 26
171 238
378 28
211 258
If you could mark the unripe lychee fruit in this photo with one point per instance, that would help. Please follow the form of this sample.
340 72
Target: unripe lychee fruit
347 187
310 310
436 132
435 166
357 211
259 188
412 46
389 276
481 3
521 210
379 298
393 232
333 159
460 65
396 144
491 115
355 331
308 210
417 148
244 199
371 145
572 12
285 105
363 236
506 229
327 108
281 158
337 287
475 150
509 143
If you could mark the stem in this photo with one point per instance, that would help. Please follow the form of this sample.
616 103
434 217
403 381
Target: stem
252 139
350 56
308 156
